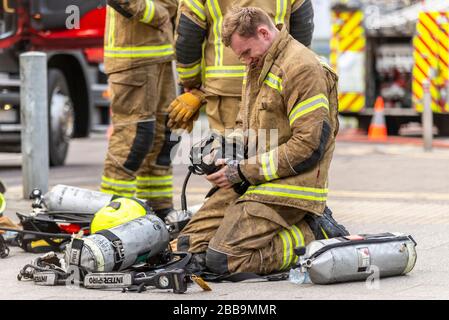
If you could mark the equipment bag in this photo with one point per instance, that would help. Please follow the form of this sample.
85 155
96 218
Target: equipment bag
355 258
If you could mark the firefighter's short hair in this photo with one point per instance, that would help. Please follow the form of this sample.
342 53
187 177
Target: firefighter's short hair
245 22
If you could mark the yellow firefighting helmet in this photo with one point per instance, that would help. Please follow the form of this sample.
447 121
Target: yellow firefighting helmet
118 212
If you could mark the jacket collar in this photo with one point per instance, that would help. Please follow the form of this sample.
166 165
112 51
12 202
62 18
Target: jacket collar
280 42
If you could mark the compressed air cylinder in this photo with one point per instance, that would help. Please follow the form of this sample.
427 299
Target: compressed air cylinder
67 198
137 239
355 258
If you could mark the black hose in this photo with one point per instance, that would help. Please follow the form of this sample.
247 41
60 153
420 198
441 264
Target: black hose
38 233
184 187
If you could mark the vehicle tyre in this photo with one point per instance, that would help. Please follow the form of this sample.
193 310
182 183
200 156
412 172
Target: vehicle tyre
61 117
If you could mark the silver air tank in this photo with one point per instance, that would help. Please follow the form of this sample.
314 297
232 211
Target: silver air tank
139 238
67 198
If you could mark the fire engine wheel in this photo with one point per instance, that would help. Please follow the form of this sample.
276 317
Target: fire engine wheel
61 117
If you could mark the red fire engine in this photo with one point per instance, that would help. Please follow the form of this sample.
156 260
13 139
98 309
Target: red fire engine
76 82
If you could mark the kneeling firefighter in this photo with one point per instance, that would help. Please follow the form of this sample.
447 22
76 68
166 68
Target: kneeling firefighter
122 234
290 92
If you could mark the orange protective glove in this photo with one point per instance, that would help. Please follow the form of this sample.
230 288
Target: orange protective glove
184 107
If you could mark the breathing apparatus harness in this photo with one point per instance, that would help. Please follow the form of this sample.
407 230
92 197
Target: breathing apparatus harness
203 157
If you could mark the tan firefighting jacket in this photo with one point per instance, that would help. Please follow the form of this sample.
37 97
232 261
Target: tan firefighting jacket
290 106
220 69
138 32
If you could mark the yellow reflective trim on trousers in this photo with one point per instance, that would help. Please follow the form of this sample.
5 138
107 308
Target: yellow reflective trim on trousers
274 82
185 73
217 19
225 71
149 12
298 232
294 192
139 52
307 106
154 183
288 249
281 9
285 248
296 244
197 8
160 193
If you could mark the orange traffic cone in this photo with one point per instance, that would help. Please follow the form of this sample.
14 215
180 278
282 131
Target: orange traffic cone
378 130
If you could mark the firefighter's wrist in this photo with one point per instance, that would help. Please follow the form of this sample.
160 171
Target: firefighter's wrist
233 172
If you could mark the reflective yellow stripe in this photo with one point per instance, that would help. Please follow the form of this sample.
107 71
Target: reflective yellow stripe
286 249
160 193
324 233
149 12
197 8
299 237
191 72
217 19
2 203
274 82
154 181
309 105
139 52
281 9
272 165
225 71
111 51
118 183
268 166
111 41
294 192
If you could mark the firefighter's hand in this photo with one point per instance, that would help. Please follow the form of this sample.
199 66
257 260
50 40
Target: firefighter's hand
184 125
220 178
184 107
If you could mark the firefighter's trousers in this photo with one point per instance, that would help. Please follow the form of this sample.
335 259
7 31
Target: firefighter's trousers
222 112
138 159
245 236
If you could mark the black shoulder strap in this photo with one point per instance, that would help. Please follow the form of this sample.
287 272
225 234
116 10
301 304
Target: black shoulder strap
117 7
75 252
119 255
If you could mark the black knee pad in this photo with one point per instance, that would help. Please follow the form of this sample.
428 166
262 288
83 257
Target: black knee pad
216 262
142 144
183 243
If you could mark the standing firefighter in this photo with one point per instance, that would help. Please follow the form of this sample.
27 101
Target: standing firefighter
200 22
288 92
137 56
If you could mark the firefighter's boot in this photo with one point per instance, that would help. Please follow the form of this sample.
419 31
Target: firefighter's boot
197 264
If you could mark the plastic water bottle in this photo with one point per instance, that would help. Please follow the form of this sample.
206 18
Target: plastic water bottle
299 277
9 235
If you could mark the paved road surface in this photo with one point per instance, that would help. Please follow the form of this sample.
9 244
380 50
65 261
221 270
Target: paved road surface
373 188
